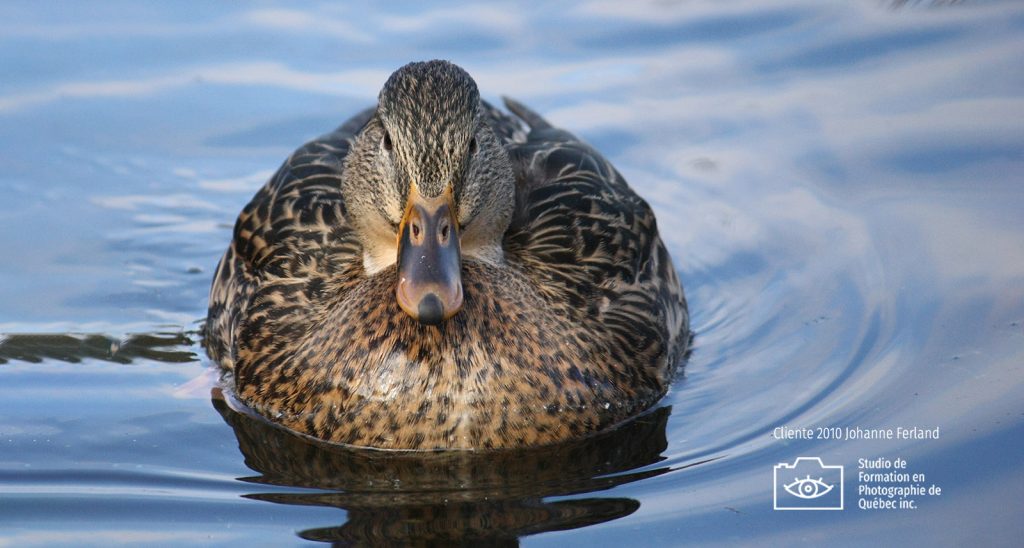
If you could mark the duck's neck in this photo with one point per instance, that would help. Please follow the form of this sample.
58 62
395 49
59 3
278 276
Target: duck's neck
382 251
380 247
492 254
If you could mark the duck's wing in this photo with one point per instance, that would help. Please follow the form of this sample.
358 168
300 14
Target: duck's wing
289 239
509 129
591 242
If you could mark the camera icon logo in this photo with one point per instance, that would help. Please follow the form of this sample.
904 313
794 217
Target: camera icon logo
808 484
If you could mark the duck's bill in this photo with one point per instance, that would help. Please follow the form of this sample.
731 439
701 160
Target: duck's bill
429 263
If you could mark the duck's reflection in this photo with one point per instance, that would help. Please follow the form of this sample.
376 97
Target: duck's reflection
72 347
451 497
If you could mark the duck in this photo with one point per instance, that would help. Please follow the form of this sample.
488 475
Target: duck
438 274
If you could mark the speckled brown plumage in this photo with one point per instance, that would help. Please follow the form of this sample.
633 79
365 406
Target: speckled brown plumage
579 326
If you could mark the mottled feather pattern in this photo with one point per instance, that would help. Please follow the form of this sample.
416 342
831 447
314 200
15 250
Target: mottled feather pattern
292 228
593 244
580 330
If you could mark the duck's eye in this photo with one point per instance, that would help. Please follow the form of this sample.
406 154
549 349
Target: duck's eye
386 142
472 146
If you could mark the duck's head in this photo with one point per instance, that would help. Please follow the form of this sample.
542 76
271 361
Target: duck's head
426 183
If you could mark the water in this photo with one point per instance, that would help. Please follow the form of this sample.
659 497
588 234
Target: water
840 186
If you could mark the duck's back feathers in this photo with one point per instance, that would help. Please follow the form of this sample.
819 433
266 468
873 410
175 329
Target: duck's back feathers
580 228
288 241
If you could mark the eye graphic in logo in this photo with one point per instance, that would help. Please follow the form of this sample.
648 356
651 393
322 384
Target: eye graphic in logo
808 488
807 484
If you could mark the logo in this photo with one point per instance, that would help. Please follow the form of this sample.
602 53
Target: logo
808 484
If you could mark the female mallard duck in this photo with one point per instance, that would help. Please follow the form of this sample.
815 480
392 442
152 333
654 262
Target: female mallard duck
431 276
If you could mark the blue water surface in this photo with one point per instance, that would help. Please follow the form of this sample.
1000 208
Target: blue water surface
840 185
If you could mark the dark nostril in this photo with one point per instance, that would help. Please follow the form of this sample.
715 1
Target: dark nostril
415 230
431 311
444 233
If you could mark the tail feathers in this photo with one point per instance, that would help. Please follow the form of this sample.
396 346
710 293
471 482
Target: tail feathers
531 118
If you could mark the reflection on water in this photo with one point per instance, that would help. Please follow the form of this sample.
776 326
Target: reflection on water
451 497
67 347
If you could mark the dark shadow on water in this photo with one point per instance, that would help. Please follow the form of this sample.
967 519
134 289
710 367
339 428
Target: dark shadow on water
446 498
73 348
